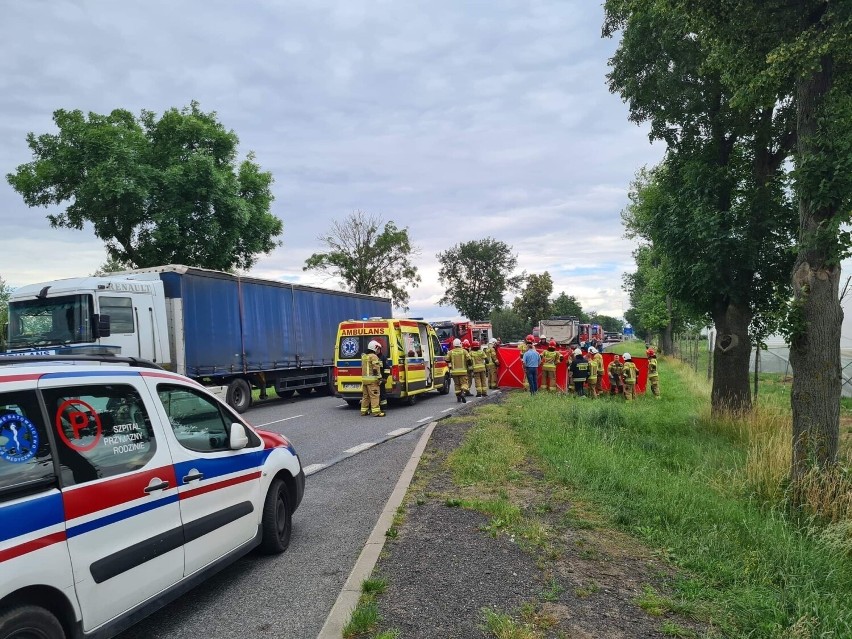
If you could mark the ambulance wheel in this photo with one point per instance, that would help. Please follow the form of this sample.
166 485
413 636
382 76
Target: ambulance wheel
277 521
353 403
411 400
30 622
239 395
445 387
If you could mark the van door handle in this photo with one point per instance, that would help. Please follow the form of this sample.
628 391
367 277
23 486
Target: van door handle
150 488
193 477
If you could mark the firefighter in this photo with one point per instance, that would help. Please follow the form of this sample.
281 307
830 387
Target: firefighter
594 374
614 371
549 360
524 347
653 373
493 363
579 372
598 358
459 360
371 373
479 360
631 375
383 383
466 346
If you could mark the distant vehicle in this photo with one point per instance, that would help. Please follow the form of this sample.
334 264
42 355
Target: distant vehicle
564 329
613 337
448 331
418 362
122 486
217 328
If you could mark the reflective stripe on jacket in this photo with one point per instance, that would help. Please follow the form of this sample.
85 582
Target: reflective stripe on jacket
478 358
550 359
371 368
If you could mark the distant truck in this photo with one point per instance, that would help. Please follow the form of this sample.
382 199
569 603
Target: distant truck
217 328
464 330
564 330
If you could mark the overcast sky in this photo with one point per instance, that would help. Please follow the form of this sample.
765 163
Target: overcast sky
459 120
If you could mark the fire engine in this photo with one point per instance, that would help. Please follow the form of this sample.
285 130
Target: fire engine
464 330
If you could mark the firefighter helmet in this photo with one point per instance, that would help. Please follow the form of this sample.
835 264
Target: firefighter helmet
492 341
627 357
476 344
552 343
529 339
466 343
577 352
374 346
457 343
593 350
650 352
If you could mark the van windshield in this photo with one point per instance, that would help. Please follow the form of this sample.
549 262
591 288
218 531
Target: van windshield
352 347
66 319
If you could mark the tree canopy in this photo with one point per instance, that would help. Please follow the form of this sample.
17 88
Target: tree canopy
564 305
371 256
477 275
156 190
533 304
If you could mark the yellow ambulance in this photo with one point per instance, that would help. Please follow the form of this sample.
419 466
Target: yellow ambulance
417 363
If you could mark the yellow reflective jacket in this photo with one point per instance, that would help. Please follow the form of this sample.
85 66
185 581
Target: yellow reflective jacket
491 352
631 373
652 367
593 370
478 359
459 360
371 368
550 359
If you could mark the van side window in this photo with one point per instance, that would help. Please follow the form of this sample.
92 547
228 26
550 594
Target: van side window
436 346
101 430
197 421
26 463
413 346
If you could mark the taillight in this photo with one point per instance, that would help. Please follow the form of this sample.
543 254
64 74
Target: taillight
395 373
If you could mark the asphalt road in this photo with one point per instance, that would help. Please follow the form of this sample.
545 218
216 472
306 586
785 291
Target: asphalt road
289 596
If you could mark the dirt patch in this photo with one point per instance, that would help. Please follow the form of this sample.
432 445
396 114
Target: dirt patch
447 564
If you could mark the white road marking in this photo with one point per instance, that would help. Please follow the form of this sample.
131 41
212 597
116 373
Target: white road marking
342 405
425 419
313 468
447 410
277 421
359 448
399 431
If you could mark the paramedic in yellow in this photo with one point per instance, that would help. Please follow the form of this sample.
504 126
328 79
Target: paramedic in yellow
459 361
371 373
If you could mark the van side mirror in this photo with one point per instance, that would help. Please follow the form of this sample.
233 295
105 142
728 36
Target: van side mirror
102 326
237 437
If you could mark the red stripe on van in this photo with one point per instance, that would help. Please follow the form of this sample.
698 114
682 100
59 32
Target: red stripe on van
31 546
100 495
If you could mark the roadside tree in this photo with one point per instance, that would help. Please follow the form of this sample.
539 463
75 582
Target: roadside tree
476 276
371 256
157 191
533 304
564 305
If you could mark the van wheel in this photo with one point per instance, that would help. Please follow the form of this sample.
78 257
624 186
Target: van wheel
239 395
411 400
30 622
277 519
445 387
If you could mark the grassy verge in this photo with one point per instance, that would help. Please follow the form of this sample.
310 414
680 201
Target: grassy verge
671 476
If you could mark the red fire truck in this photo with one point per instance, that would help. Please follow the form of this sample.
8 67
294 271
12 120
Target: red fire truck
464 330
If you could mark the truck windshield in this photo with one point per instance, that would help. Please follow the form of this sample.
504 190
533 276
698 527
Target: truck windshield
55 320
444 331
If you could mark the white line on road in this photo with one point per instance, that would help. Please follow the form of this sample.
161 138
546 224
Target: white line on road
359 448
313 468
342 405
447 410
425 419
277 421
399 431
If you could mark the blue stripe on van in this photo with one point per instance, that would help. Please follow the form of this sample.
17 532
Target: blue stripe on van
30 515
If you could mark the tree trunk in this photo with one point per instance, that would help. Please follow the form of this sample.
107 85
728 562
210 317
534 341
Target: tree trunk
731 360
666 341
817 314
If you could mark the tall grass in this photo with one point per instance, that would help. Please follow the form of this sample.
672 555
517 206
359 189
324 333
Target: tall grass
701 491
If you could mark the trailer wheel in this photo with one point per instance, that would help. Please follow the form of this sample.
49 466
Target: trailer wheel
239 395
287 393
304 392
445 387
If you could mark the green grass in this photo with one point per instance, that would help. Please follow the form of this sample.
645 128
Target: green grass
661 472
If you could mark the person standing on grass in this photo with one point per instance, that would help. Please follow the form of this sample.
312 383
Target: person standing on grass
598 359
532 360
615 371
594 373
550 359
579 373
631 375
493 363
653 374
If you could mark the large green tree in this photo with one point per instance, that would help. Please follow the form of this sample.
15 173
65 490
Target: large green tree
533 303
718 207
371 256
476 276
508 325
800 50
564 305
156 190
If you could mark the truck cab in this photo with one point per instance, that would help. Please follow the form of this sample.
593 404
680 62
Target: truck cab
90 316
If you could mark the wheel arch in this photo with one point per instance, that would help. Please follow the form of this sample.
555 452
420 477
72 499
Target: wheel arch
51 599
